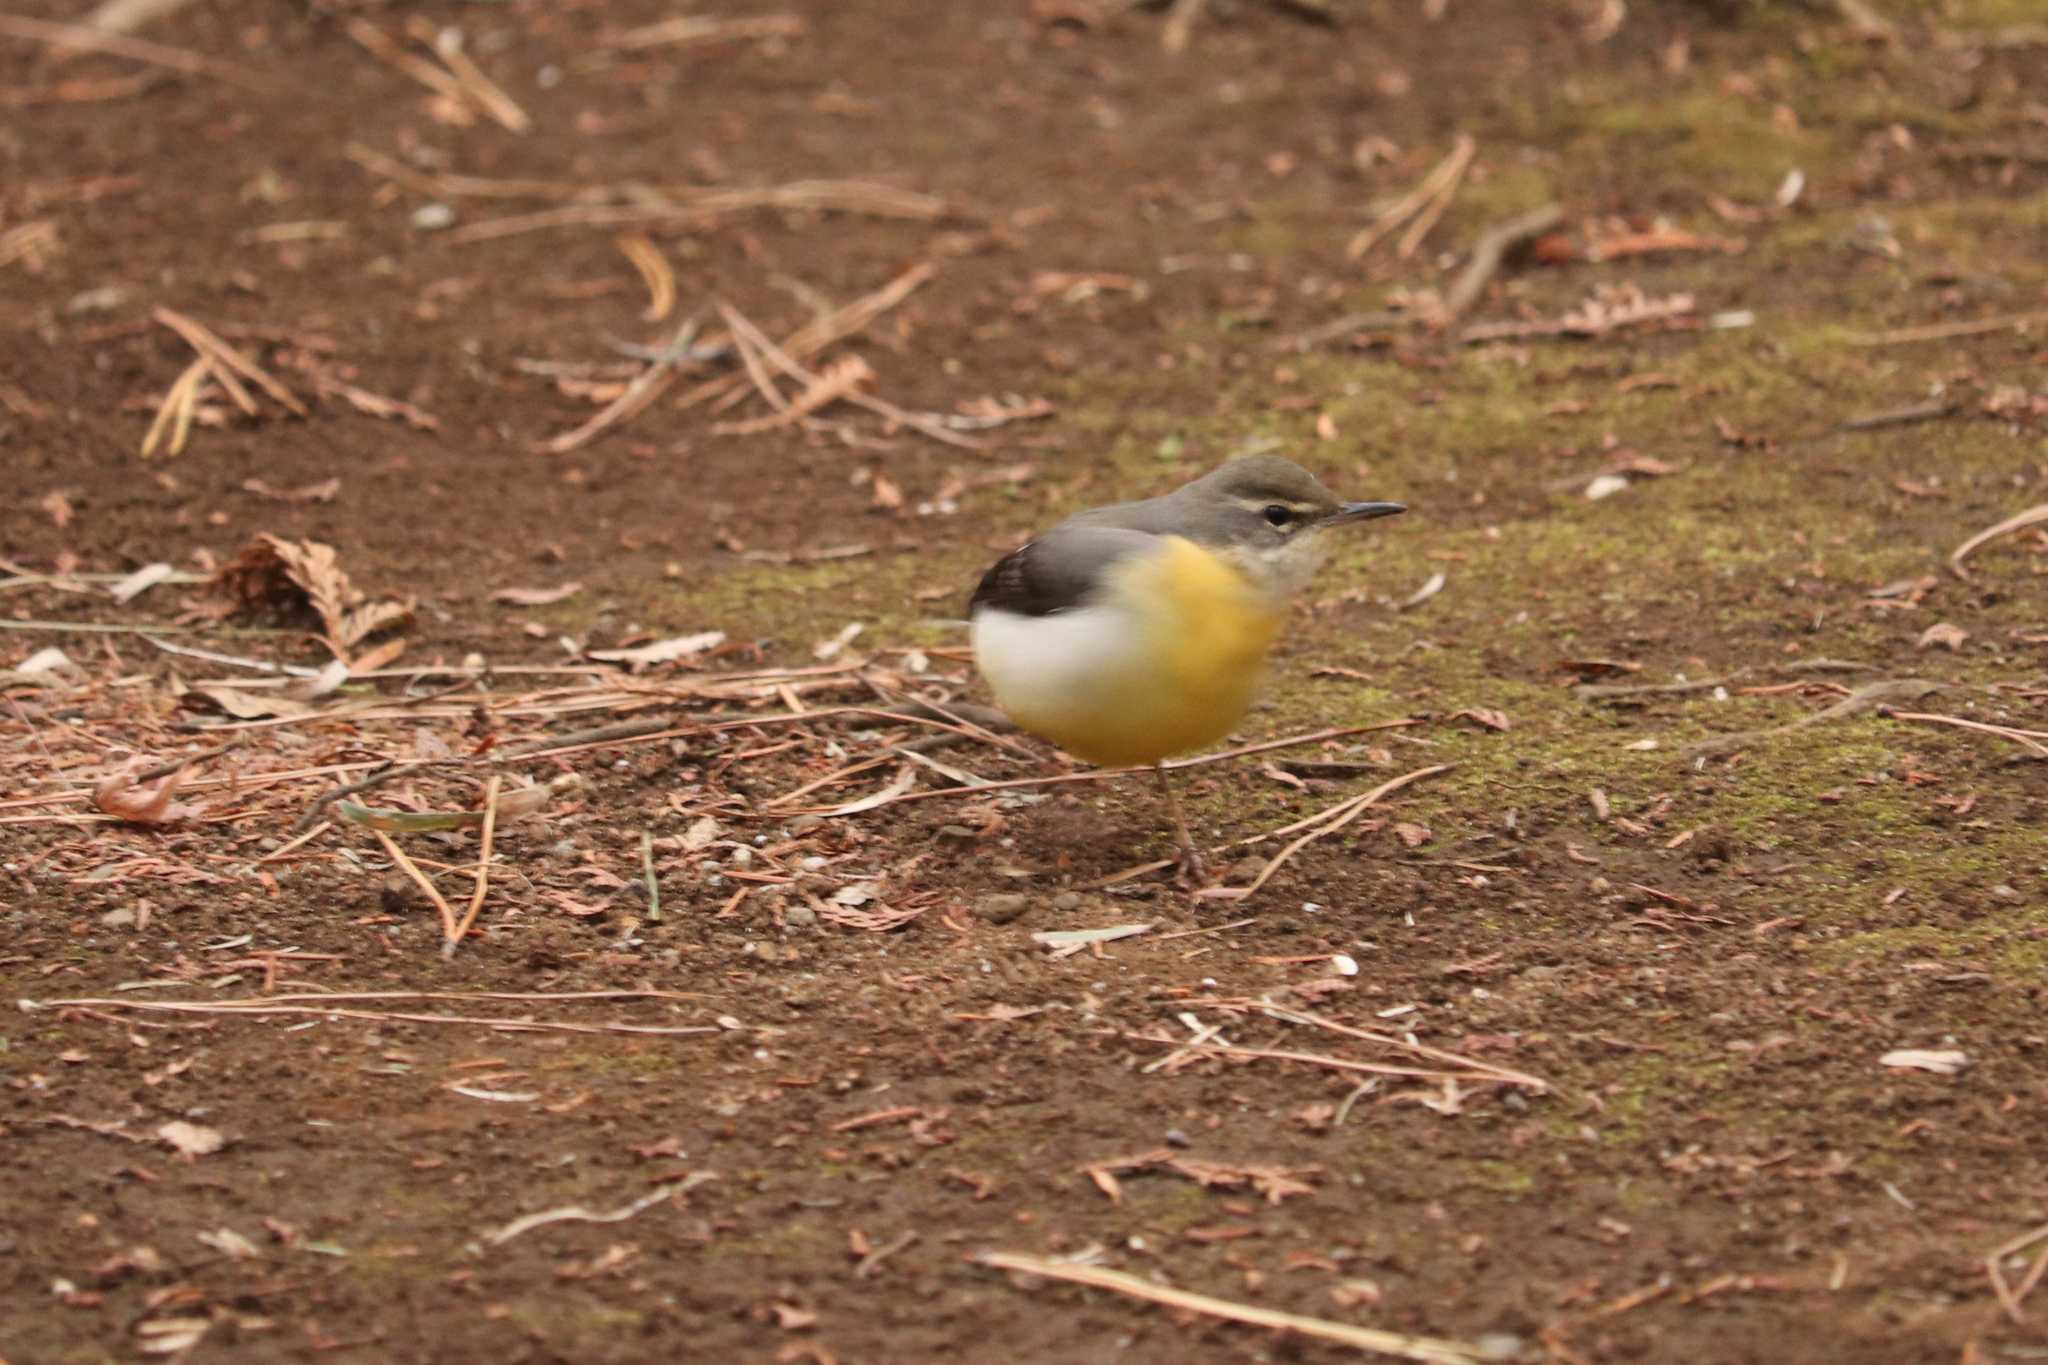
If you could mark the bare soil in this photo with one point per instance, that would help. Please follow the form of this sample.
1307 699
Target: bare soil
1697 921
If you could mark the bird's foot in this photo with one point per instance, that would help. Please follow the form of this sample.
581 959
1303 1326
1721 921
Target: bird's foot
1190 873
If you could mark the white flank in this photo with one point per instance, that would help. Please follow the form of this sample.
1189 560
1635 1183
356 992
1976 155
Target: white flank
1057 665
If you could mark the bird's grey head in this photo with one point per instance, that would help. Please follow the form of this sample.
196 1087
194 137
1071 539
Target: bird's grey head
1272 514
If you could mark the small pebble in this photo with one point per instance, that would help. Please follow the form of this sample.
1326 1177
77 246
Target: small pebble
1001 909
1067 900
958 833
397 893
118 919
1176 1138
433 217
805 822
800 917
1498 1345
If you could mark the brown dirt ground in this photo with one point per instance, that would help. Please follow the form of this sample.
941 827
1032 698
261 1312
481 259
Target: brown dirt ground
1704 957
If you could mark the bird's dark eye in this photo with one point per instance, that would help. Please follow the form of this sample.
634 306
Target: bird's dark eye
1277 515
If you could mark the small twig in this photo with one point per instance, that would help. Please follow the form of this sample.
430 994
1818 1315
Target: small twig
918 422
420 880
2026 739
2031 517
576 1213
293 845
1332 820
1864 698
1941 331
1491 251
1103 774
1593 692
1432 1351
647 871
1899 417
375 779
1358 1092
816 335
2009 1299
134 49
642 391
172 765
873 1260
1180 24
1489 1071
483 867
484 92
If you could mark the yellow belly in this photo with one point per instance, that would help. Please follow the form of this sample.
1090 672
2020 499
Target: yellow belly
1194 644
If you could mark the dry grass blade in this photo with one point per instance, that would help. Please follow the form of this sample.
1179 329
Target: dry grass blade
1105 774
922 423
1338 816
1180 24
1433 1351
838 381
448 185
134 49
227 358
325 1007
483 867
654 273
815 336
27 240
647 386
125 16
482 91
442 82
698 205
1445 174
2033 516
1432 212
175 413
825 196
691 30
420 880
1487 1069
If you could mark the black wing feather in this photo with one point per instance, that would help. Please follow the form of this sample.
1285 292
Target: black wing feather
1056 572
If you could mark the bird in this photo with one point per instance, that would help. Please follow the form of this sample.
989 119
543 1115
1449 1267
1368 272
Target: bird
1130 633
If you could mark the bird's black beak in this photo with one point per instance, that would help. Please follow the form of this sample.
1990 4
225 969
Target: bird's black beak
1362 511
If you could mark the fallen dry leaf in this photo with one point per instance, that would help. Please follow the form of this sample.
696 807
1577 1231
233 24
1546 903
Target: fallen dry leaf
327 490
662 651
118 796
1411 834
192 1139
277 573
1941 1063
536 597
1943 635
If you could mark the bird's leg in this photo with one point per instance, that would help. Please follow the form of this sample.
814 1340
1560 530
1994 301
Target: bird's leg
1191 871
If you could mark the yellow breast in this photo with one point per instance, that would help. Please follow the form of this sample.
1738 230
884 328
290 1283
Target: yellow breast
1166 661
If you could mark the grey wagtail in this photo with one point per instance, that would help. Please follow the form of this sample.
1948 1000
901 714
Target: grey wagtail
1131 633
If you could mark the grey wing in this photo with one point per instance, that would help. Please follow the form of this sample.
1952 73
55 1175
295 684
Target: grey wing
1057 571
